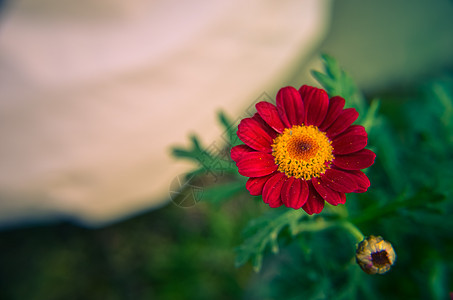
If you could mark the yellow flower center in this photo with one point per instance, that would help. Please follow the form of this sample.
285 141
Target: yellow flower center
302 152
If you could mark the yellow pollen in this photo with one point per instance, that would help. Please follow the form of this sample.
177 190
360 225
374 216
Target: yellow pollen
302 152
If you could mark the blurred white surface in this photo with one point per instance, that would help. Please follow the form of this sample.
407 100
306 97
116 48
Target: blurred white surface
94 93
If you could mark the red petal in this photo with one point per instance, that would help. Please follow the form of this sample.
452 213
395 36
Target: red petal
339 181
336 105
355 130
270 115
237 152
344 120
349 144
331 196
290 107
316 103
272 190
253 135
256 164
255 184
294 193
315 203
361 179
271 132
355 161
352 140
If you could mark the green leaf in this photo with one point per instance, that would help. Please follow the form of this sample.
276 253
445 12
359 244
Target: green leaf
443 95
437 281
230 130
371 118
387 154
221 192
193 152
262 234
338 83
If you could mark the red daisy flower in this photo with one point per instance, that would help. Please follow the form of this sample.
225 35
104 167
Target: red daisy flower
304 151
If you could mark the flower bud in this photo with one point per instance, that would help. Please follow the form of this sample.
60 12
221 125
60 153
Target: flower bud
375 255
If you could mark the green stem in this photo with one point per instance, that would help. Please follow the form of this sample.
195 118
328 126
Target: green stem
311 226
353 230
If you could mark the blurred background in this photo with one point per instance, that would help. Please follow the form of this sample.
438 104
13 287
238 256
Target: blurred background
93 95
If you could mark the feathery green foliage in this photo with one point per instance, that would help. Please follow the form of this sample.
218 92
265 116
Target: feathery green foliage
409 203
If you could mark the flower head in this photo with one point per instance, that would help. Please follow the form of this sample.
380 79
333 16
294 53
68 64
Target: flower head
375 255
303 151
